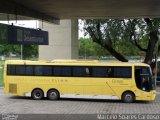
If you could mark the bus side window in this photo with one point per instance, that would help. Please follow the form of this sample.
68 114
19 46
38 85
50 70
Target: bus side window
78 71
87 71
57 71
29 70
47 70
62 71
20 70
66 71
110 72
11 69
81 71
38 70
99 71
122 72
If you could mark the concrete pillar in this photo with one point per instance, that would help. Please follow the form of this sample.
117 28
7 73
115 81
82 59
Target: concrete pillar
63 41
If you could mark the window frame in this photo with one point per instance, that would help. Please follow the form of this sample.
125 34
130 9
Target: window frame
91 68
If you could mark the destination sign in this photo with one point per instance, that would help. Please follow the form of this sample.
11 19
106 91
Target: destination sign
19 35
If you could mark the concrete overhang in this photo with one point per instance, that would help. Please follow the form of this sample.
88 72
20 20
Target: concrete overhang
69 9
10 10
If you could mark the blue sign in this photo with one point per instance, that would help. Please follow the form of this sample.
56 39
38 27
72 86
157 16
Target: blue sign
26 36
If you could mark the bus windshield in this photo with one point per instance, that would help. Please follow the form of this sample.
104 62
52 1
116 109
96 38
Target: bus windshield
143 78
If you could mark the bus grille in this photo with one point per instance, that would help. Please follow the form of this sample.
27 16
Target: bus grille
12 88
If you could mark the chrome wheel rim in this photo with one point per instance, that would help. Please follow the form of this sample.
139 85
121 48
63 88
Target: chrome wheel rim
37 95
53 95
128 97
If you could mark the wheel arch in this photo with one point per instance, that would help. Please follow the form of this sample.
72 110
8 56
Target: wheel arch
39 89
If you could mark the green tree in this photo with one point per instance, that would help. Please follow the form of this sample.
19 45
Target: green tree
88 48
109 33
6 49
3 33
30 51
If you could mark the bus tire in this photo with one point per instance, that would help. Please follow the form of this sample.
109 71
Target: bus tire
37 94
53 94
128 97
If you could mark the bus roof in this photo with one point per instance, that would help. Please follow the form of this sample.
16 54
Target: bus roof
74 62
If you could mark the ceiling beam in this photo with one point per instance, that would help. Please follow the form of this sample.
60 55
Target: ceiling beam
10 7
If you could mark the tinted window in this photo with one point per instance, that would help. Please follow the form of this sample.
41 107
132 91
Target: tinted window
11 70
62 71
110 72
75 71
82 71
38 70
99 71
66 71
47 70
57 71
122 72
78 71
29 70
103 72
145 70
88 71
20 70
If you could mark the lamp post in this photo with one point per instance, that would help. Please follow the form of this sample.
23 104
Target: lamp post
22 24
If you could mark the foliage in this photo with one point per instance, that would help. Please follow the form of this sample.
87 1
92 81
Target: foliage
130 34
1 73
3 33
28 50
7 49
88 48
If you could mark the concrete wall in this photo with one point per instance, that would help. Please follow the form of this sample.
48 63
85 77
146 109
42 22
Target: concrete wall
63 41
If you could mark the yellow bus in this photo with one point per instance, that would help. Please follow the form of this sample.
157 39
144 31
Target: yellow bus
79 79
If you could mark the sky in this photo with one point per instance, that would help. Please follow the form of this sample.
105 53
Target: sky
23 23
34 24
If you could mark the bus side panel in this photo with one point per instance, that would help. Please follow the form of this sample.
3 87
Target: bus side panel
120 85
98 87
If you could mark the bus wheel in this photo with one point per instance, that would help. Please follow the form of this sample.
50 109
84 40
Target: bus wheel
37 94
53 94
128 97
